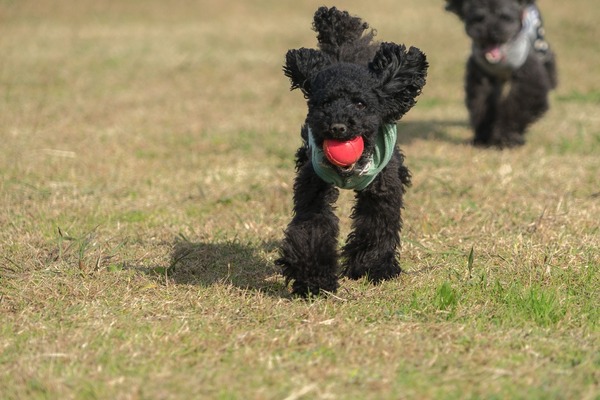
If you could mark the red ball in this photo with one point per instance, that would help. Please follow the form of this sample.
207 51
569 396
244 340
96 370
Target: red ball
343 153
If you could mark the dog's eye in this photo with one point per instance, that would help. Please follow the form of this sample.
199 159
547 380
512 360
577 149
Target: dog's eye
359 105
476 18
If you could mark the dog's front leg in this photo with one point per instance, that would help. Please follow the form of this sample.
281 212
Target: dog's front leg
372 246
481 97
309 255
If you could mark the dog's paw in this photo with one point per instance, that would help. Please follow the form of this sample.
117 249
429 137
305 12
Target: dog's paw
310 289
376 274
507 141
383 274
510 141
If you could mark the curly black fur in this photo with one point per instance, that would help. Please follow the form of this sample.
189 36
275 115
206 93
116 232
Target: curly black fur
502 104
353 86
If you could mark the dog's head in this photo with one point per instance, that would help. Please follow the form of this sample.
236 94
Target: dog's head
490 23
347 100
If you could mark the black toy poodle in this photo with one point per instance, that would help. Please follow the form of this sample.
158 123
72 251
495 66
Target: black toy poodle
510 71
356 90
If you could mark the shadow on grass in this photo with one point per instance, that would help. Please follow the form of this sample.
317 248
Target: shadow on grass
408 131
231 262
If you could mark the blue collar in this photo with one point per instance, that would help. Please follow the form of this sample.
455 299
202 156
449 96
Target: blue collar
360 179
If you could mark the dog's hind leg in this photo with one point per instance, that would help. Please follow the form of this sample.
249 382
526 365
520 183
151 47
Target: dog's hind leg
372 246
550 66
309 255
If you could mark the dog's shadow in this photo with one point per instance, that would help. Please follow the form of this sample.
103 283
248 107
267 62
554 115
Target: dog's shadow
241 265
409 131
248 266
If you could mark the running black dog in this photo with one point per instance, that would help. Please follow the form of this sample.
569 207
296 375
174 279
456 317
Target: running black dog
356 90
510 71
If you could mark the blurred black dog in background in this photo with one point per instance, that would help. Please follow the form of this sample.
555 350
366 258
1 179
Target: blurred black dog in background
510 71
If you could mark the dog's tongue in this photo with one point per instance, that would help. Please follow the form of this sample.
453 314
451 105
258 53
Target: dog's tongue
493 55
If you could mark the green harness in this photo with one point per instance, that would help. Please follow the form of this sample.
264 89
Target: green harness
360 179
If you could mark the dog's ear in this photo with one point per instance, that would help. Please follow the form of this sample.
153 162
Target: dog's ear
402 75
455 6
302 65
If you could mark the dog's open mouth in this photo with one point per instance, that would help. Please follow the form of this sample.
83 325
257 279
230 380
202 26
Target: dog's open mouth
344 153
493 54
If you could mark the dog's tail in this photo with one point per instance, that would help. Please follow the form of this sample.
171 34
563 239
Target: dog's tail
341 35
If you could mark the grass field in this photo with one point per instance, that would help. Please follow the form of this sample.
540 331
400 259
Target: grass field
146 167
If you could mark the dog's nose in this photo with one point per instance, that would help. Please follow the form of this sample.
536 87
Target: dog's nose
338 129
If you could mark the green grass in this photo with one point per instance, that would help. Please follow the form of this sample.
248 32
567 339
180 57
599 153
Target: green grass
146 175
575 96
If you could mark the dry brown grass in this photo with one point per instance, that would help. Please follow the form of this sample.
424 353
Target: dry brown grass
145 180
